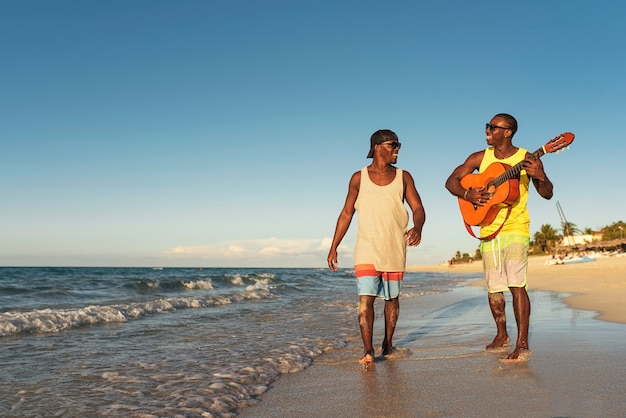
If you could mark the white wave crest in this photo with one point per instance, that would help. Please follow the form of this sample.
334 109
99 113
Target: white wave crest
55 320
199 285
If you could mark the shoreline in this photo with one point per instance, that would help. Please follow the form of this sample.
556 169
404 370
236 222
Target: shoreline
598 286
440 366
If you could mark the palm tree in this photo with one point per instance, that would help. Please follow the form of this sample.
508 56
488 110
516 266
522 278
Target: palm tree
569 228
477 254
546 237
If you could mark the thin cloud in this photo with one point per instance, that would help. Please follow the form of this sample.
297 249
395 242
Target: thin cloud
268 248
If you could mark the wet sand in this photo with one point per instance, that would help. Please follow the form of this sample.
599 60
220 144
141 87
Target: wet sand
440 368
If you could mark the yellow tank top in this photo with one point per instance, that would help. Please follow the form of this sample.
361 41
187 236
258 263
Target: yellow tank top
518 221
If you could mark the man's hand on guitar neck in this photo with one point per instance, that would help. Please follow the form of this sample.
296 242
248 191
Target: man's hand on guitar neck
534 168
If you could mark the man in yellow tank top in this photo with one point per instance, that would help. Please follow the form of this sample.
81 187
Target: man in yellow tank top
505 255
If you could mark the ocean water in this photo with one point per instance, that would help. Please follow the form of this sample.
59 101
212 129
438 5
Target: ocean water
142 342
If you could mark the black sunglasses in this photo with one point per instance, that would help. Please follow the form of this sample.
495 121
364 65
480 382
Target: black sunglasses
394 144
492 127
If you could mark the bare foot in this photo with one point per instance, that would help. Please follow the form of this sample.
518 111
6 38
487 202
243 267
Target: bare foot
367 358
520 353
498 341
387 349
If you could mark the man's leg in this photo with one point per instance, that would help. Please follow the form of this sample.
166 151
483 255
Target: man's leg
496 303
366 323
521 308
392 310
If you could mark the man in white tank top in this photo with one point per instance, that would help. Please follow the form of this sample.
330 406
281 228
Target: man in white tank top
378 193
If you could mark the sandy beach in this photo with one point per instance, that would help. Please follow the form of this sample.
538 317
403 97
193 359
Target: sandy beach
440 367
598 286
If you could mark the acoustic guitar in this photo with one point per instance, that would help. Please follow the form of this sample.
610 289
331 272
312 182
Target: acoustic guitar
502 182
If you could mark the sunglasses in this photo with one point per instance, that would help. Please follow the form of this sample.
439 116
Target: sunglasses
394 144
492 127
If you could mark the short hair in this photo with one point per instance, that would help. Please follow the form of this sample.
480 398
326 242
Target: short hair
510 121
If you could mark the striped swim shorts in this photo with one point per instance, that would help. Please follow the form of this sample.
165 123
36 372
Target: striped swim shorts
505 259
372 282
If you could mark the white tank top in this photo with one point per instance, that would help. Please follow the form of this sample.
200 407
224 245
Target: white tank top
383 221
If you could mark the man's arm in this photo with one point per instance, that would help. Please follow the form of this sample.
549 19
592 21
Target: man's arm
453 184
344 220
412 197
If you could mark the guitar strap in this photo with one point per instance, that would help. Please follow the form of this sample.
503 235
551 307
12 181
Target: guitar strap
494 234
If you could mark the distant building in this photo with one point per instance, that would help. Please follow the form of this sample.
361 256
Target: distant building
577 240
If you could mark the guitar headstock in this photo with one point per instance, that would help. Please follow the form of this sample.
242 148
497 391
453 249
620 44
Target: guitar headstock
559 142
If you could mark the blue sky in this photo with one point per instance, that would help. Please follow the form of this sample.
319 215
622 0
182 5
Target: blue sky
224 133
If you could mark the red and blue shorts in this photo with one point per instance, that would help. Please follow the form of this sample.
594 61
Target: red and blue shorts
382 284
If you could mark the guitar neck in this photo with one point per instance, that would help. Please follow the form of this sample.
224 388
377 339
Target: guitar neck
514 171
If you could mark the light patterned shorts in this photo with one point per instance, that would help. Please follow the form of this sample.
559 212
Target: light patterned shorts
372 282
505 260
